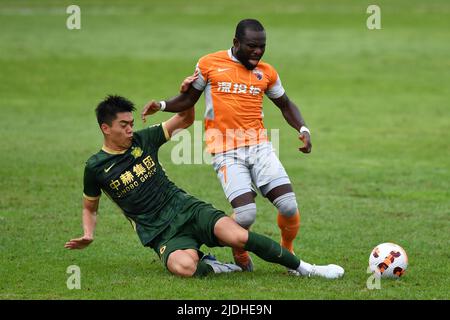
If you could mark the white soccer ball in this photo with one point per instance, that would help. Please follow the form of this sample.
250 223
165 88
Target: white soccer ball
388 260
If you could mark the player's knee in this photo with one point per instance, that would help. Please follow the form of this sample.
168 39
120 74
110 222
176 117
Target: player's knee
181 264
286 204
241 238
245 216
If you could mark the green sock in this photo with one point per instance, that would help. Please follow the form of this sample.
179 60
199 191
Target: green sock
271 251
202 269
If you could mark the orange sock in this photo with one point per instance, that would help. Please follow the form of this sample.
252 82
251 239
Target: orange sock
289 227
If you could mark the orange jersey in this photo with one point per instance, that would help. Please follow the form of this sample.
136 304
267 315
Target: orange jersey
234 97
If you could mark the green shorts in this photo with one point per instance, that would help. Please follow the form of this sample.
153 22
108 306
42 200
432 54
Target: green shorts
190 229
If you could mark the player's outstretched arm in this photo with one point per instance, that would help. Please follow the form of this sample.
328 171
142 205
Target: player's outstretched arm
90 208
187 98
181 120
293 116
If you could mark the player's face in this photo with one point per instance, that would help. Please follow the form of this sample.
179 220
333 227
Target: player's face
250 49
120 133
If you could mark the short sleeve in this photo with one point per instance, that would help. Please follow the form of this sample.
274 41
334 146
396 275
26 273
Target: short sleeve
91 190
275 88
201 82
155 135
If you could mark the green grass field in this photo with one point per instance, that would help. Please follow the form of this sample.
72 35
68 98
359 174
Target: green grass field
377 103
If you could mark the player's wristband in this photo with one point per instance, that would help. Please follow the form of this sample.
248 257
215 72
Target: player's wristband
304 129
162 104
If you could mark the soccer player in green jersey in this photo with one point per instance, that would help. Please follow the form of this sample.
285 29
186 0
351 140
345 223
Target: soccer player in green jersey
166 218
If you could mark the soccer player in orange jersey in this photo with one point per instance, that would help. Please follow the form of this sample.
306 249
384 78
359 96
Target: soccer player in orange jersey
234 82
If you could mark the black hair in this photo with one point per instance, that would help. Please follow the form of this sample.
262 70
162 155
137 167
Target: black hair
247 24
108 109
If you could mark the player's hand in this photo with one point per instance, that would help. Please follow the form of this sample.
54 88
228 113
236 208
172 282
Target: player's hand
306 138
187 82
78 243
149 109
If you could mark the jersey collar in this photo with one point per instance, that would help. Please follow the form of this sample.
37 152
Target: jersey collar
232 57
111 151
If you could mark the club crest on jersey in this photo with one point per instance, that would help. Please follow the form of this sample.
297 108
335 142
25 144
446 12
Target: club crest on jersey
258 73
136 152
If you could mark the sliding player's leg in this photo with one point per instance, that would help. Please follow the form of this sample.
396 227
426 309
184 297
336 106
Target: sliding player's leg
229 233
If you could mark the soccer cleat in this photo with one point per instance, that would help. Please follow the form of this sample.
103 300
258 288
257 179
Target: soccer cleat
330 271
220 267
293 272
243 260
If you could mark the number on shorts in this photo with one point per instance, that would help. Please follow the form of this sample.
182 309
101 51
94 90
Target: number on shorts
224 173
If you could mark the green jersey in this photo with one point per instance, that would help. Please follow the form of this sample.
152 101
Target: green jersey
136 182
